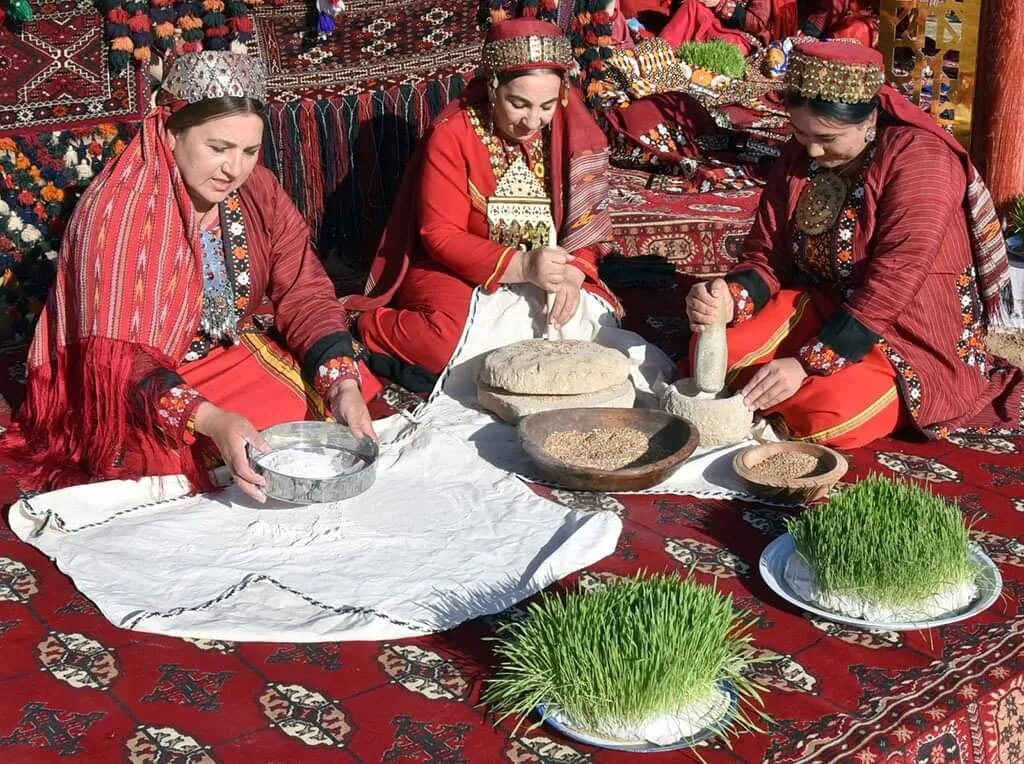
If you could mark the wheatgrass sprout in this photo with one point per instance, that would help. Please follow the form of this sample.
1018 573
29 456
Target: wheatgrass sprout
717 56
885 540
627 652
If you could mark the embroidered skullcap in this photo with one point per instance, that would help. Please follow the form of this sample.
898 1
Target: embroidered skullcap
526 43
206 74
842 71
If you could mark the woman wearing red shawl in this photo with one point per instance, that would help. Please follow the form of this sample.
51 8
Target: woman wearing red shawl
701 20
735 21
864 293
147 359
524 132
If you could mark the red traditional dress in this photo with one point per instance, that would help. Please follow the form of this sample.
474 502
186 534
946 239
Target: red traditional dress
429 262
887 307
124 352
846 19
763 20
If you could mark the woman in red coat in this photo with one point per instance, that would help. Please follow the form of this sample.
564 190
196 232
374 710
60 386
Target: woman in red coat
844 19
863 296
150 358
521 133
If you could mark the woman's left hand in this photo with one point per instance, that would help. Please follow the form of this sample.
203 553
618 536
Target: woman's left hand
349 408
773 383
567 297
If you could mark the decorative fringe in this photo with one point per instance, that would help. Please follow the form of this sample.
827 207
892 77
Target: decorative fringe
100 435
347 153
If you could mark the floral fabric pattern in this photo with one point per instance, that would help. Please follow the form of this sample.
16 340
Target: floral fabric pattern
334 371
743 306
819 358
828 257
971 347
175 409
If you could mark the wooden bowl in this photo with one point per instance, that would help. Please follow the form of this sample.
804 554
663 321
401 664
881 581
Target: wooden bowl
798 490
676 435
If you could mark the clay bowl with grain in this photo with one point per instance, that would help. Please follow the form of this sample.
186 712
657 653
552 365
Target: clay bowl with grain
791 471
655 445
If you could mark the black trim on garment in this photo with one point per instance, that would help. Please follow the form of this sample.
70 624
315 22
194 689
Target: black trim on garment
755 285
413 378
324 349
847 336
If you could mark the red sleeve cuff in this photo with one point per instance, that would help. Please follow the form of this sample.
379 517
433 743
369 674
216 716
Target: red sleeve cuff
819 358
332 371
175 412
588 268
492 282
743 305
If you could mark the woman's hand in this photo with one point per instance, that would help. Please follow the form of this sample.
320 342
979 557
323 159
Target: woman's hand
773 383
547 267
231 433
704 302
567 297
349 408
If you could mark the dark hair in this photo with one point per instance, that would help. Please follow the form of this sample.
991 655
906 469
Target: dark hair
846 113
506 77
211 108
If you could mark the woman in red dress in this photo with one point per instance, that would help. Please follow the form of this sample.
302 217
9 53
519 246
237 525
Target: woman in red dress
150 357
700 20
522 129
863 296
844 19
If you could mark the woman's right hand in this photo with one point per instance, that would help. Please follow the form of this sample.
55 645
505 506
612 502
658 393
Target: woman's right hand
546 267
704 302
231 433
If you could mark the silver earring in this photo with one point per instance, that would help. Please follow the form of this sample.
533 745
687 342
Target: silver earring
869 135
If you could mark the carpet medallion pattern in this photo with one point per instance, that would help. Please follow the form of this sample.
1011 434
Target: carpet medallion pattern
72 685
376 45
54 73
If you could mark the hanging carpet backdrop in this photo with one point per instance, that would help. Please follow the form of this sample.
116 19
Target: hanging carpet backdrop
54 72
346 112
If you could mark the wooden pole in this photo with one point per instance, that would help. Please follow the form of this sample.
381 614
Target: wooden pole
997 140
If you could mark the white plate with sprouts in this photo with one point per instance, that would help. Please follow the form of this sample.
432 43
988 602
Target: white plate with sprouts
646 746
778 552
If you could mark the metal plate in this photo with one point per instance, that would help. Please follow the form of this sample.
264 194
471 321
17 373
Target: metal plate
777 553
644 746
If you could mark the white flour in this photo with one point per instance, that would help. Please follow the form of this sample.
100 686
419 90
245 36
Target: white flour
311 463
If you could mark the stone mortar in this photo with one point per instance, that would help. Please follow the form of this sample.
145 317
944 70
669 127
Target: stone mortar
721 420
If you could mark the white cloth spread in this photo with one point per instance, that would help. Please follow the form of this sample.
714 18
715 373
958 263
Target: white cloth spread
446 534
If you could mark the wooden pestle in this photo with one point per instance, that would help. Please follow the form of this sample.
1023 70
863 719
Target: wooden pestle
712 354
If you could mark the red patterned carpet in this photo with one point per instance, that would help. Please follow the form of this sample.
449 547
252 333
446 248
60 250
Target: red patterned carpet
54 73
699 233
72 685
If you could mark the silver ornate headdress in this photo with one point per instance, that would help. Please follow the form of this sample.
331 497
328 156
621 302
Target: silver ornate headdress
215 74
